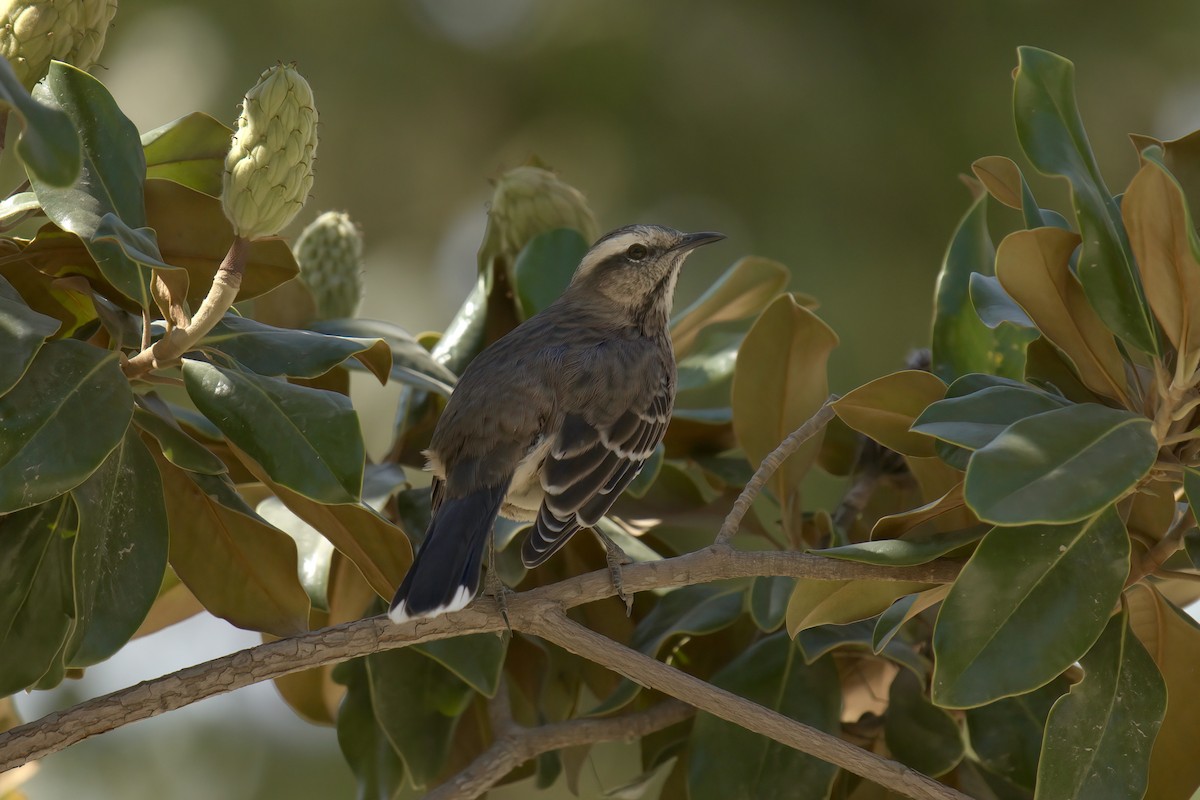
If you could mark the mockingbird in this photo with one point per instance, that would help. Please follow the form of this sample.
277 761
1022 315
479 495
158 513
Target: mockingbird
550 423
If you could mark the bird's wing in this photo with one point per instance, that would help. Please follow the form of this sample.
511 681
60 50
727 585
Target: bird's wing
587 468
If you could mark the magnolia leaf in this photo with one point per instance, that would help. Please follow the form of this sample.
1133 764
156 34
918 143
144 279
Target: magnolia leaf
885 408
22 333
190 151
837 602
917 732
742 291
973 421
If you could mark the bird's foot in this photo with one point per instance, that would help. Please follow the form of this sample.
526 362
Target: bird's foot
496 588
616 559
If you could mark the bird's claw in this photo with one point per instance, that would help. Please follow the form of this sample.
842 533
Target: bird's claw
616 558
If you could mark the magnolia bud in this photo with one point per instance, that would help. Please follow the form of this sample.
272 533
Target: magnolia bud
329 252
32 32
269 169
529 201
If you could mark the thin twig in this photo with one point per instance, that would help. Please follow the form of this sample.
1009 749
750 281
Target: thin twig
518 744
1156 556
640 668
769 466
61 729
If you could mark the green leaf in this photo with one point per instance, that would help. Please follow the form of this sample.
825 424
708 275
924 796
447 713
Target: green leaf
411 363
544 267
239 567
917 732
857 636
1026 606
974 420
1006 735
120 552
837 602
376 766
995 307
180 449
740 293
417 703
36 605
1059 466
189 151
963 343
49 144
902 552
769 601
306 439
22 333
478 659
61 421
295 353
902 611
110 182
728 762
884 409
314 553
1051 134
1099 735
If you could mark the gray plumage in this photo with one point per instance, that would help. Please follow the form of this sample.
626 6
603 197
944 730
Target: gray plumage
557 417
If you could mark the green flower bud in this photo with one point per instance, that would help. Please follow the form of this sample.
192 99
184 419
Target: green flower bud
529 201
32 32
269 169
329 252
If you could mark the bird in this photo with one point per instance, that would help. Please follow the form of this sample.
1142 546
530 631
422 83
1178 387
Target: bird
551 422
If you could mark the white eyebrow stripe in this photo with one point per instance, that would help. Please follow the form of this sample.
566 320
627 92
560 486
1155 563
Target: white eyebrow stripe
608 249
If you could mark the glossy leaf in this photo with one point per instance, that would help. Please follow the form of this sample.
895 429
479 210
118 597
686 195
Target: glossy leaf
742 291
917 732
1060 466
180 449
1051 133
376 765
902 611
417 703
856 636
769 601
1173 640
961 342
49 143
61 421
1006 735
945 514
1004 181
973 421
108 191
727 761
120 552
190 151
314 553
884 409
305 439
295 353
902 552
1163 240
411 363
544 267
237 565
836 602
1026 606
1099 735
35 606
779 382
477 659
996 308
22 332
1033 267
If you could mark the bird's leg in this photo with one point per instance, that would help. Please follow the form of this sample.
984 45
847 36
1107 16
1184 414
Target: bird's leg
616 558
495 587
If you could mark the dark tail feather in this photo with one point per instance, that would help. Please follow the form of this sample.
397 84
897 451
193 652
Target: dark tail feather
445 574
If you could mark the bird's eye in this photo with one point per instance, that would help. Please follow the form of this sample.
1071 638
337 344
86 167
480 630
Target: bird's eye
636 252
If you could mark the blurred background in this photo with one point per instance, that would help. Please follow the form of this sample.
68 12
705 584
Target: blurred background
825 135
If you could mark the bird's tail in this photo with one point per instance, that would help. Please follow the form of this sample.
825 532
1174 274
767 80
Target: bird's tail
445 574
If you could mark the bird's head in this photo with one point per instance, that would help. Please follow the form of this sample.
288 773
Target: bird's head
635 268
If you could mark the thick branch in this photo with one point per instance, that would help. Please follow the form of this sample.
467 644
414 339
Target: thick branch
770 465
517 745
642 669
333 645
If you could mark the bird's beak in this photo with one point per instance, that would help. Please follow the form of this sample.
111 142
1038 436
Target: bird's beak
693 240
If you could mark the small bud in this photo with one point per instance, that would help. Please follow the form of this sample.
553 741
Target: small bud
329 252
529 201
269 169
32 32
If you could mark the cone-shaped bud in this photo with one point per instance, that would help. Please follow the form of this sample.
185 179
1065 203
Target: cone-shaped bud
32 32
269 169
529 201
329 252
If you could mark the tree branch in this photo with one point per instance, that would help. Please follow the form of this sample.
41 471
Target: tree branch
515 745
61 729
556 627
770 465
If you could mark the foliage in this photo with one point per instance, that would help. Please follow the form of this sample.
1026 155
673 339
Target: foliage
1050 449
